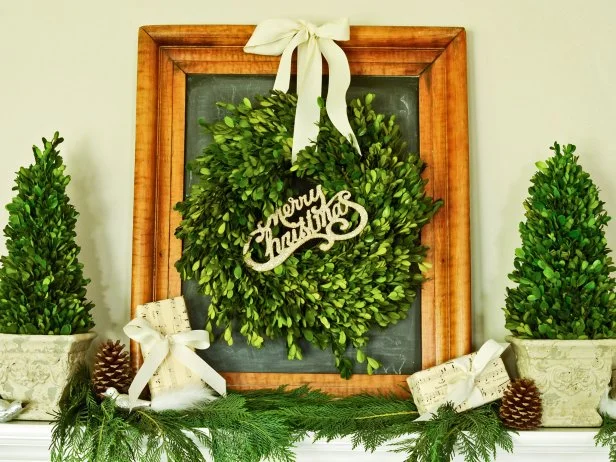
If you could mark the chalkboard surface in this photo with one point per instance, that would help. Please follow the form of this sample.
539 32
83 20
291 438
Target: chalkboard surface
398 347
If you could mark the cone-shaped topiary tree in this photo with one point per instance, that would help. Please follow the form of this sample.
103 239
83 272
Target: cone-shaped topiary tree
563 269
42 288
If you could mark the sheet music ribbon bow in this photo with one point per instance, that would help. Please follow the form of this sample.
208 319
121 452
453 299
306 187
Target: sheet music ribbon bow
158 347
275 37
464 387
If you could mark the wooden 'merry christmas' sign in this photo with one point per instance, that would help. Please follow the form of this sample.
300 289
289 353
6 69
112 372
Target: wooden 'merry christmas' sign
318 219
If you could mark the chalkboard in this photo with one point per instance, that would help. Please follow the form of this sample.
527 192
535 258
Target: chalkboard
398 347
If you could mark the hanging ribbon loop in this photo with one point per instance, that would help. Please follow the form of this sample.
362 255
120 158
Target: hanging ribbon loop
158 347
275 37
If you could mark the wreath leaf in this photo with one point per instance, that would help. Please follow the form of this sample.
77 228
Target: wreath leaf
331 299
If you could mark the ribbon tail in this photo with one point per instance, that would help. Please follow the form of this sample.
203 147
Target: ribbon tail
461 391
193 362
308 112
155 358
475 398
283 76
489 351
339 81
457 395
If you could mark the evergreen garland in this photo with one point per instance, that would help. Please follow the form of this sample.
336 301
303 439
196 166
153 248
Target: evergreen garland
564 289
331 299
606 436
265 425
474 434
42 287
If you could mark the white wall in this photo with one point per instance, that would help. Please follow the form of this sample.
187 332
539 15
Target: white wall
538 72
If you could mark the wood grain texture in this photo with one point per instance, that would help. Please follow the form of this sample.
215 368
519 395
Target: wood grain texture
459 256
387 55
167 54
429 289
433 147
177 172
144 211
267 68
444 146
164 236
330 383
361 36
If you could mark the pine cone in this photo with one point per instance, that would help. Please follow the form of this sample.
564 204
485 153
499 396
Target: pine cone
521 405
111 368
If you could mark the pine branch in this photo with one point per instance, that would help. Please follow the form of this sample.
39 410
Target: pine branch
369 420
72 418
606 436
265 425
475 434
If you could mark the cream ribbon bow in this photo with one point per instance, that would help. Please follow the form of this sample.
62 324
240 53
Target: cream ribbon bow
179 345
464 388
275 37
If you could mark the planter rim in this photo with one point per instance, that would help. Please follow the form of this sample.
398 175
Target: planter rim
546 341
53 338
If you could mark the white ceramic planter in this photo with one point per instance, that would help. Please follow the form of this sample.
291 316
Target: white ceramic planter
572 375
34 369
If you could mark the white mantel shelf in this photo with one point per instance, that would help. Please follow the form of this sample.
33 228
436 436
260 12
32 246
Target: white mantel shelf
29 441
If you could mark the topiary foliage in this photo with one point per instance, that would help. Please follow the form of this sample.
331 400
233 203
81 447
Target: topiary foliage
42 288
331 299
562 271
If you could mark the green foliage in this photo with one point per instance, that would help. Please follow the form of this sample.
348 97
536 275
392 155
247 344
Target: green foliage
475 434
265 425
42 288
370 421
562 271
86 431
331 299
606 436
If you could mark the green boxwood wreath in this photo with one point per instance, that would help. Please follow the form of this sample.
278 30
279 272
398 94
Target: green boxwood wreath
331 299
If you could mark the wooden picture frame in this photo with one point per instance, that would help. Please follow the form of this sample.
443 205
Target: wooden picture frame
437 56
